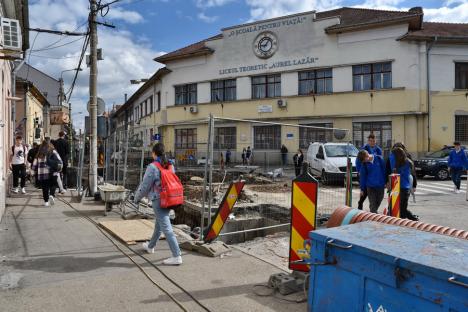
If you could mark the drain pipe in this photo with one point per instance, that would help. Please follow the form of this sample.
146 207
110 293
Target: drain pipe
13 95
429 47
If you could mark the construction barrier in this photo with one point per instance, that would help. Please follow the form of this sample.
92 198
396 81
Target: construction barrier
346 215
225 208
303 219
394 198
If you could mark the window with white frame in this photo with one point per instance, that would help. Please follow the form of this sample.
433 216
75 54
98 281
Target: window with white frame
372 76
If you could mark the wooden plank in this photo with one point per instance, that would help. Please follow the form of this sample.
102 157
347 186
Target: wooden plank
130 231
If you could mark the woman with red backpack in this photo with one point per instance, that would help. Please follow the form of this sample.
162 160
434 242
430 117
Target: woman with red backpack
164 189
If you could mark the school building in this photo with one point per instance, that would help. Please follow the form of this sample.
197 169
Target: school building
369 71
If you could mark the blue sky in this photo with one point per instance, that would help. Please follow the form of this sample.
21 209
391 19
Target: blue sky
149 28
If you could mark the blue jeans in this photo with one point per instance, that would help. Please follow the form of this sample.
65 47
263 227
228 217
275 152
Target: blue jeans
456 176
163 225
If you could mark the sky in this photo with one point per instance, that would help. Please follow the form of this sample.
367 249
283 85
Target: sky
146 29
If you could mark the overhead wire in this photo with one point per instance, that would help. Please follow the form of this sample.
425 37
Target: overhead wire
83 53
59 46
63 37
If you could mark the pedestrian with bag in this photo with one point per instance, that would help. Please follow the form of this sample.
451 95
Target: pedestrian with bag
457 163
47 163
18 159
372 178
372 148
63 149
402 165
31 156
165 191
298 159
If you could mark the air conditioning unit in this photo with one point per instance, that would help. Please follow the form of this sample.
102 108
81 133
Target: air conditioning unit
282 103
11 34
193 109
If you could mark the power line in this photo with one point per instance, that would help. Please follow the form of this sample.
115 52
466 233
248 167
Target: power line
59 46
63 37
83 53
54 58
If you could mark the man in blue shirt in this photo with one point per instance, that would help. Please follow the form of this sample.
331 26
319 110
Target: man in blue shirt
372 178
457 163
372 148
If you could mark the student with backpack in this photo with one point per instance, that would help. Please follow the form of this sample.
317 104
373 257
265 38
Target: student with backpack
163 188
44 166
457 163
18 164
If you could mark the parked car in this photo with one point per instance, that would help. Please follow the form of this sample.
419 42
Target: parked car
328 160
435 164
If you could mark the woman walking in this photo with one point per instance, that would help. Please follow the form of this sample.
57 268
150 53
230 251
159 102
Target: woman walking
44 166
401 164
150 187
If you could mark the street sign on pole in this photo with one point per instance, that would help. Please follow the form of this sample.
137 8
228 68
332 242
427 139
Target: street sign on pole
156 137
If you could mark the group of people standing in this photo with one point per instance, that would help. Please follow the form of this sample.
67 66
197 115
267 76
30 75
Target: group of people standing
375 171
48 163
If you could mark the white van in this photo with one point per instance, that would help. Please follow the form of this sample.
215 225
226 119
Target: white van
328 160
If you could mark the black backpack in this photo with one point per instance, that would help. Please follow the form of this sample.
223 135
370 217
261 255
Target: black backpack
54 162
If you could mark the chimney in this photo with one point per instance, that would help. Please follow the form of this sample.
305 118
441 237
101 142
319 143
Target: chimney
125 98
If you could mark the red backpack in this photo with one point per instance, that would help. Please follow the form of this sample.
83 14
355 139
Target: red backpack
171 193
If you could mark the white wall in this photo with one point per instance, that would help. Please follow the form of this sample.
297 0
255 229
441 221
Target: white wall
442 65
289 84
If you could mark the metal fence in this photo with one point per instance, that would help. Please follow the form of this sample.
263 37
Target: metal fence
208 161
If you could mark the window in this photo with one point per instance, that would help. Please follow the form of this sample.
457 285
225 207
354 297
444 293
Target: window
223 90
267 137
186 138
150 104
266 86
381 130
310 135
461 128
461 75
186 94
315 82
158 107
225 138
372 76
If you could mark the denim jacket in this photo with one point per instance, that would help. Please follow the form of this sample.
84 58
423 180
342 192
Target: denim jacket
151 183
149 186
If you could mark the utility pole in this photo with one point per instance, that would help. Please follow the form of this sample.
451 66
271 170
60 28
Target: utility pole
93 97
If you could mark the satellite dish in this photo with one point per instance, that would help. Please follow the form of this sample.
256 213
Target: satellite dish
101 106
339 134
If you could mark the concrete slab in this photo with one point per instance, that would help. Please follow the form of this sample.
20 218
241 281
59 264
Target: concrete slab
54 260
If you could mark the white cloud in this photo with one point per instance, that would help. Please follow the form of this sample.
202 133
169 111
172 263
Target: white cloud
211 3
125 57
263 9
449 10
207 19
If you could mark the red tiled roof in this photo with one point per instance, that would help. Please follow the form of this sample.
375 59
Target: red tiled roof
197 48
443 31
354 18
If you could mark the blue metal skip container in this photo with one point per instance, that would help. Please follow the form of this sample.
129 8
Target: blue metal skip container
377 267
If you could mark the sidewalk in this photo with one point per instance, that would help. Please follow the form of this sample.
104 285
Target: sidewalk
54 260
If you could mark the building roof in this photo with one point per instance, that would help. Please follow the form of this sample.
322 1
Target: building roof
47 85
159 73
445 32
352 19
198 48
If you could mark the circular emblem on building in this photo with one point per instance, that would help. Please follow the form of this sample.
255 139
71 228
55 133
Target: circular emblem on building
265 44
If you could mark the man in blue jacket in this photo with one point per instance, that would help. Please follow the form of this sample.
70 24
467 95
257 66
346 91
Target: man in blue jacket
457 163
372 178
372 148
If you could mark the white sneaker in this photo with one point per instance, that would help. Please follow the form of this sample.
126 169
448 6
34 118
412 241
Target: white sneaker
457 191
15 190
23 190
46 204
173 261
52 200
145 247
454 189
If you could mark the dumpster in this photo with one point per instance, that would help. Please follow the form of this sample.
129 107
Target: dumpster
374 267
